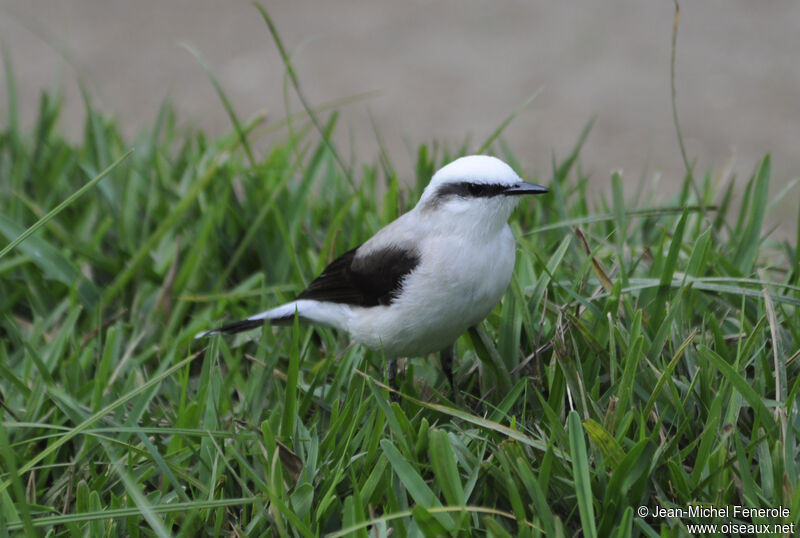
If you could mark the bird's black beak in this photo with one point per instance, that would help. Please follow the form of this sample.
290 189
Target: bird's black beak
525 188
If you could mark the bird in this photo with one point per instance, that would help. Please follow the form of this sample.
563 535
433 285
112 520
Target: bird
425 278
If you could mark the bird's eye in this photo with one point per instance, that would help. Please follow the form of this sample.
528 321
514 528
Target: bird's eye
474 189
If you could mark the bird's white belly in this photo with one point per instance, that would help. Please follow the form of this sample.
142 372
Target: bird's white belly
452 290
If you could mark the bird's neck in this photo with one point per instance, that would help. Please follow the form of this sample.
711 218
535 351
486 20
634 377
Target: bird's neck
475 228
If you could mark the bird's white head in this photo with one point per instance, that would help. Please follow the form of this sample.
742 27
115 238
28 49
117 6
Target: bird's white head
477 190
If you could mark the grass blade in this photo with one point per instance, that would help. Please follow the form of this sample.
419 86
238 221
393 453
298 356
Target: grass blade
83 426
60 207
580 473
750 240
413 482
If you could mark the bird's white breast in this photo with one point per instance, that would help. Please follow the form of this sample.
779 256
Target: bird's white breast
457 283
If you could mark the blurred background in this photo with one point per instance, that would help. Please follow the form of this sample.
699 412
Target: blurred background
442 70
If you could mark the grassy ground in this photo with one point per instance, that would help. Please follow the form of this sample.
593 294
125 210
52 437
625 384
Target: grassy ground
643 355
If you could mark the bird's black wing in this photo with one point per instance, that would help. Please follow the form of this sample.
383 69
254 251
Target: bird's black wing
371 279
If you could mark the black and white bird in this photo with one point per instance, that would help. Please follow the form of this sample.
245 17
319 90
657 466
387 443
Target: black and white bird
424 279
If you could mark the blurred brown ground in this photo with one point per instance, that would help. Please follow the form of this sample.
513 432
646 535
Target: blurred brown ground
443 70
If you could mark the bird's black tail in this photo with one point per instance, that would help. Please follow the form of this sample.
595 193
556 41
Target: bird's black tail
274 317
235 327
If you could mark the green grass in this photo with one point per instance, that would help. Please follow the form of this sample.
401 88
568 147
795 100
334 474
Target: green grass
643 355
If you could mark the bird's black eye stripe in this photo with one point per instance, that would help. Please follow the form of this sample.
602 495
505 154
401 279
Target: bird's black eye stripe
467 189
